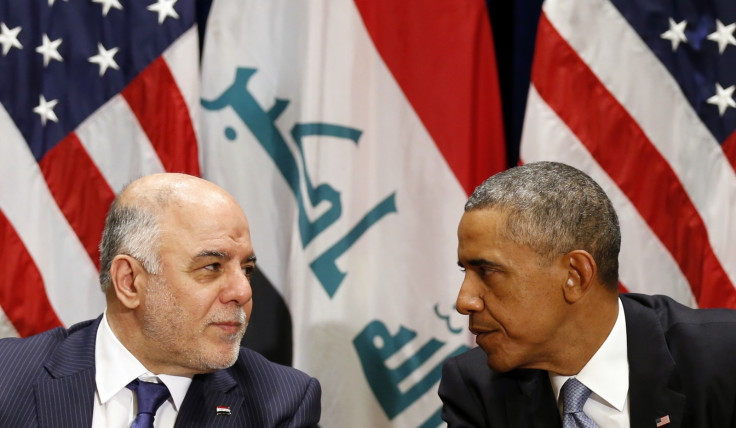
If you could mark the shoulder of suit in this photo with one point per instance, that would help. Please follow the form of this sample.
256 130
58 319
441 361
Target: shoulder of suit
250 361
22 359
692 335
672 313
37 343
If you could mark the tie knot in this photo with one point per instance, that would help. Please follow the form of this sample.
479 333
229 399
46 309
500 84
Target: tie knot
574 394
150 395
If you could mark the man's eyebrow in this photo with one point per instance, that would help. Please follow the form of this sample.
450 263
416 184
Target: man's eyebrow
221 255
213 253
481 263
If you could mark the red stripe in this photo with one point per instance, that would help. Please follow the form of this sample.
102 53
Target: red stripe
80 191
441 55
22 294
729 149
161 110
619 145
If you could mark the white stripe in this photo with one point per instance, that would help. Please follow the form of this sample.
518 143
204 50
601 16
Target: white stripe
117 144
182 57
646 265
6 327
68 273
651 95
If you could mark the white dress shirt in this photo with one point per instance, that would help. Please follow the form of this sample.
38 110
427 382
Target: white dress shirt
607 375
115 367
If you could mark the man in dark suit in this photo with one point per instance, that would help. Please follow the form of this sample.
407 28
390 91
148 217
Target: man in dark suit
176 260
558 346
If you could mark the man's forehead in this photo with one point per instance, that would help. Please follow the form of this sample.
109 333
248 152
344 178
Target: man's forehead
482 237
201 230
198 210
481 223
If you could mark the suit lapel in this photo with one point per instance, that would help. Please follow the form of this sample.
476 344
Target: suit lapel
533 403
66 398
206 394
651 370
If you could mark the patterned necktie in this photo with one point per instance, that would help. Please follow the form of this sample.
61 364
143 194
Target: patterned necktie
574 394
150 397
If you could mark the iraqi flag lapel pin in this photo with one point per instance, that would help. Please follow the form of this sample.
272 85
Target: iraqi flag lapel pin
223 410
664 420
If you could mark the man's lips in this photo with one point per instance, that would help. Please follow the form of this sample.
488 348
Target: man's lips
228 327
479 331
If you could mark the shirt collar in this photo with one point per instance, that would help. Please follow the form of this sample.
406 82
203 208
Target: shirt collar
116 367
607 372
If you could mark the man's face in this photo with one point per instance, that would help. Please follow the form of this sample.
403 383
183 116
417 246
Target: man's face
513 296
194 311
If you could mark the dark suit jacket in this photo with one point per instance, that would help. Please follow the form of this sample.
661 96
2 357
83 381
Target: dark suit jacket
48 380
682 364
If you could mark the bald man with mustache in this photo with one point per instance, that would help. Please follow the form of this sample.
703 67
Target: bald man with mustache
176 262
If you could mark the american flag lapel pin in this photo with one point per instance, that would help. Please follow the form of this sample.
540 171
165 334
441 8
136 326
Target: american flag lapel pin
224 410
664 420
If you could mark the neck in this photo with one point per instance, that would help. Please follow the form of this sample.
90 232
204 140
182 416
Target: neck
590 325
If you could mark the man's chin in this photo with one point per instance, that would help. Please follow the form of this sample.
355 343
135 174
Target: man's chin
223 359
497 363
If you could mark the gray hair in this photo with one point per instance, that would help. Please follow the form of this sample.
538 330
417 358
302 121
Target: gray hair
132 230
554 209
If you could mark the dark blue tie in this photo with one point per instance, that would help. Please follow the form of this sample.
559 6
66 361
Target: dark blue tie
574 395
150 397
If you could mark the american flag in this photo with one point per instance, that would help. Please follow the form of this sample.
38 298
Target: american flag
93 94
639 94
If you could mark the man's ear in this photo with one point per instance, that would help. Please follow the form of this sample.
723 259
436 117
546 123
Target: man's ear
128 279
581 272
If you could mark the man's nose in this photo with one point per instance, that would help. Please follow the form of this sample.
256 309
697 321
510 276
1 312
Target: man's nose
468 299
237 288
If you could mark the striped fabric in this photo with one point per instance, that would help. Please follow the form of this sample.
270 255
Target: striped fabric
614 94
48 380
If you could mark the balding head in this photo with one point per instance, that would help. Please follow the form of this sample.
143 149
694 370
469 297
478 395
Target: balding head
176 263
133 224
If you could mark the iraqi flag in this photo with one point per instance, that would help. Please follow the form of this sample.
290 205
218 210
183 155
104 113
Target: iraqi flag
352 132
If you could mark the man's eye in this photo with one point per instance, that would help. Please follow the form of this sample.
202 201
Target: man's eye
213 267
487 272
248 270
